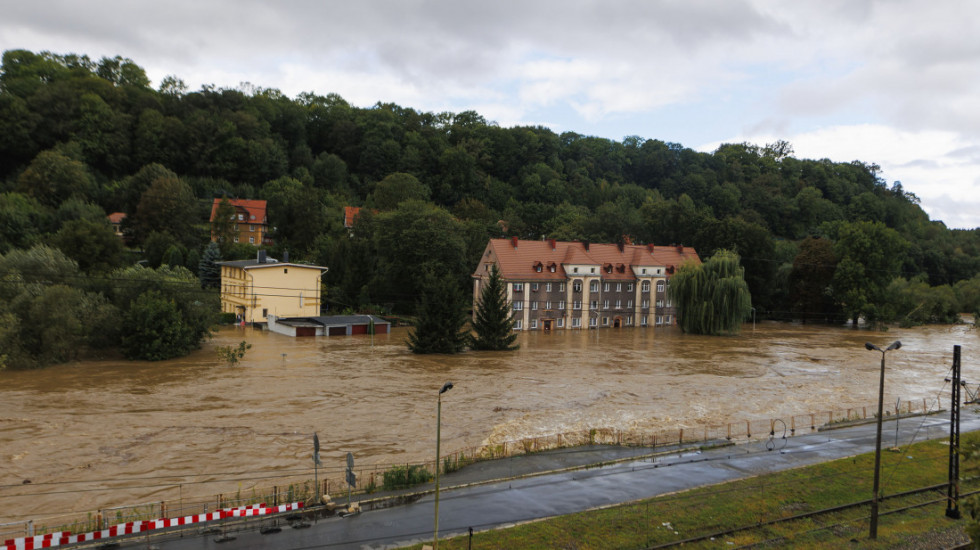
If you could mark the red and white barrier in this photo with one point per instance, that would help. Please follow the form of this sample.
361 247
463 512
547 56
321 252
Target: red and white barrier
52 540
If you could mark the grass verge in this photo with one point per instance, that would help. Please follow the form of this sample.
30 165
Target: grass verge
914 521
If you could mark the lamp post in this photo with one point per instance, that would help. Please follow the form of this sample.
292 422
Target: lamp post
445 387
881 395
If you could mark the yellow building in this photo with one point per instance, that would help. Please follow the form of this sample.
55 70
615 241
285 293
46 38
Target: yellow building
255 289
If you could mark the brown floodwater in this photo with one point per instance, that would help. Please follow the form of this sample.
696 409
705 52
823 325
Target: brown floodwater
98 434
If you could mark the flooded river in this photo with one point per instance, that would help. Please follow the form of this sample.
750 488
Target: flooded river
97 434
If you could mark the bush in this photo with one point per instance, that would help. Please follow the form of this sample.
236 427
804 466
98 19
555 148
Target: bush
400 477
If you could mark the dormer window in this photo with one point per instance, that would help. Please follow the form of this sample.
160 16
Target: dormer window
552 267
608 268
537 266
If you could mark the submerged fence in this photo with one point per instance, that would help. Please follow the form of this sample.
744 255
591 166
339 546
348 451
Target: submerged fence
370 479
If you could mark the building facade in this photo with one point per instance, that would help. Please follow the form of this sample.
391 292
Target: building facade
255 289
554 285
251 220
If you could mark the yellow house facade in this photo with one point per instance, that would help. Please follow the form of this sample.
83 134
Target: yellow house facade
255 289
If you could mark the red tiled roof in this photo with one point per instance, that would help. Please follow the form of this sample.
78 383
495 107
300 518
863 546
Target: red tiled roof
255 210
520 262
350 213
117 217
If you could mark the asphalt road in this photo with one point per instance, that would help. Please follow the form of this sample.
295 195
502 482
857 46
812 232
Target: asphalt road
483 505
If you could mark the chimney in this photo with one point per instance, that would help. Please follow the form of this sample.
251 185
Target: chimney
680 249
285 256
621 246
650 248
553 243
513 241
586 245
261 257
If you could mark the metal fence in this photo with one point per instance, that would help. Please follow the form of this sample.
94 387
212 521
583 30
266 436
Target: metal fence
370 479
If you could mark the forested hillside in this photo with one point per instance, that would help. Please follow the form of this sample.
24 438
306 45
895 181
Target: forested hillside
81 139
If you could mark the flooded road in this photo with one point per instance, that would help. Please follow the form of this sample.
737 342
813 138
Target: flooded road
97 434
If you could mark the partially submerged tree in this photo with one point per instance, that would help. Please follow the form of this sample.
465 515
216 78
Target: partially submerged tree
494 322
712 298
440 319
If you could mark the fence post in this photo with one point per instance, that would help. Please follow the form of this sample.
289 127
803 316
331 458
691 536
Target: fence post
680 436
864 412
729 437
30 528
748 429
792 425
163 509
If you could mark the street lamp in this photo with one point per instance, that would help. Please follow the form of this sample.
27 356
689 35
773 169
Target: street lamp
881 391
445 387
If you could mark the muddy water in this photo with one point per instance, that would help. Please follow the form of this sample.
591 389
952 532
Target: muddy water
98 434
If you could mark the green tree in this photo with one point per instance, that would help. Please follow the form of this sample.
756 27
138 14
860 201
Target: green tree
91 243
52 177
156 330
440 317
224 228
494 322
712 298
208 271
810 280
870 256
397 188
169 206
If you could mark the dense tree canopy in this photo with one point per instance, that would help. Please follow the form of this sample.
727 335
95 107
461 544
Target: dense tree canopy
711 297
83 138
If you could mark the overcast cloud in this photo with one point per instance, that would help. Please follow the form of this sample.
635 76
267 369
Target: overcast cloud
895 83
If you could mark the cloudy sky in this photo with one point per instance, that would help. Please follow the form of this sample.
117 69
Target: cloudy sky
894 83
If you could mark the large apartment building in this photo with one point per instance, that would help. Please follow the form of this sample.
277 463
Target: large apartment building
569 285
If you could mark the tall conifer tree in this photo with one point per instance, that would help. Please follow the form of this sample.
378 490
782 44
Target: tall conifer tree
440 317
494 323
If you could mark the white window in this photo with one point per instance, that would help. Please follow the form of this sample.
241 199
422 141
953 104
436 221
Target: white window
251 228
547 287
236 239
538 269
577 304
518 306
643 321
561 304
619 287
629 304
547 304
561 322
593 322
577 286
605 321
534 305
645 287
552 268
619 304
660 303
561 287
629 287
594 286
643 271
605 304
605 287
593 270
660 286
574 270
518 325
534 287
576 322
594 305
645 304
241 217
667 319
629 321
518 287
534 323
251 240
660 319
668 303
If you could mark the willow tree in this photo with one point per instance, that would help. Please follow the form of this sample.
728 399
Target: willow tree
711 298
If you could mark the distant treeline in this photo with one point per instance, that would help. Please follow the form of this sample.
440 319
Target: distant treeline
819 240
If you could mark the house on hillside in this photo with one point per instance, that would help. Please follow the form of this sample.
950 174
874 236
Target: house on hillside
350 215
116 219
570 285
254 289
253 226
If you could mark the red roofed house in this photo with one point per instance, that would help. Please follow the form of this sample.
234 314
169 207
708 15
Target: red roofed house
116 219
558 285
253 227
350 214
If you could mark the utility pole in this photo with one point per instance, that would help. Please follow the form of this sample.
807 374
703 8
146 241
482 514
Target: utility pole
953 493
